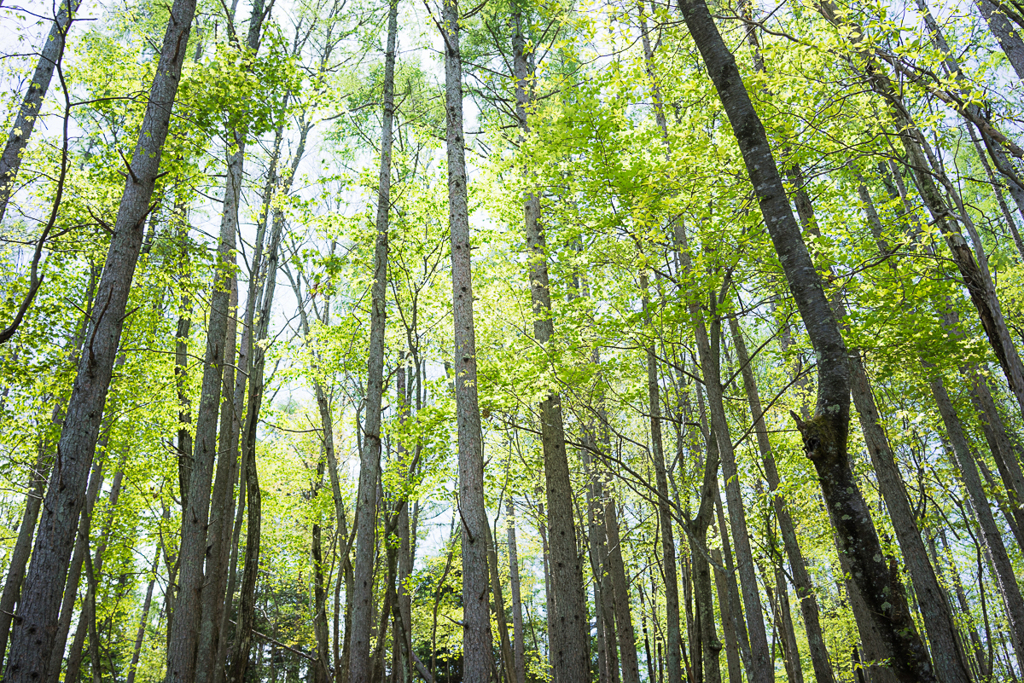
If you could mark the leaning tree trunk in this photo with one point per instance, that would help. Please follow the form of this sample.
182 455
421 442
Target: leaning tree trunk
825 436
366 510
28 112
33 637
1003 30
476 613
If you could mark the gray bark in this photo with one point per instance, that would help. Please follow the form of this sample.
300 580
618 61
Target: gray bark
801 578
33 637
825 436
476 613
366 510
518 637
31 104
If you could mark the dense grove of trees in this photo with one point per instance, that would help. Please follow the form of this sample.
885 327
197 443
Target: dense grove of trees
707 367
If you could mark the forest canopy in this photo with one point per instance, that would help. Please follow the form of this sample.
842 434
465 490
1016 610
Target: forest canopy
365 341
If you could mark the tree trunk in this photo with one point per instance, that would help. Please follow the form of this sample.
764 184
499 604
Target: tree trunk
729 619
570 645
184 635
140 635
366 510
87 617
33 637
28 113
709 350
1003 30
22 546
825 436
711 646
70 592
801 578
518 641
990 535
476 614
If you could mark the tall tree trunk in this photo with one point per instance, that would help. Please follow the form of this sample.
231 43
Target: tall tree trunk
140 635
366 510
74 577
673 639
31 104
22 546
476 614
729 619
825 436
709 350
993 540
570 646
711 646
33 637
87 617
801 578
187 623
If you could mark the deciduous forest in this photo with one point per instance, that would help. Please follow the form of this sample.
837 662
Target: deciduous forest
508 341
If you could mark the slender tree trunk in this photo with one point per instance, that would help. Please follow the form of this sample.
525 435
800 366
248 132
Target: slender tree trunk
31 104
476 614
825 436
570 646
801 577
70 593
185 629
87 617
366 511
22 546
619 585
993 540
729 619
709 351
711 646
140 635
518 638
33 638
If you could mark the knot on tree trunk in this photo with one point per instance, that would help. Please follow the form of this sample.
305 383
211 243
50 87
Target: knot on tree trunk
823 438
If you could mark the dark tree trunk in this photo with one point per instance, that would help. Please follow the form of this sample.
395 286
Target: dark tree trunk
33 637
825 436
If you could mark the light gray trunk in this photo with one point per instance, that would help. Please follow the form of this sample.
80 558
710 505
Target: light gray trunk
518 637
31 104
477 660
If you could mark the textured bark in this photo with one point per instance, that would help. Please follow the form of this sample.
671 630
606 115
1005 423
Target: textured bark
570 645
31 104
472 512
23 545
992 539
783 615
624 633
369 464
87 618
33 637
801 578
187 624
825 436
709 350
1009 40
140 635
247 600
604 594
729 620
711 646
74 577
